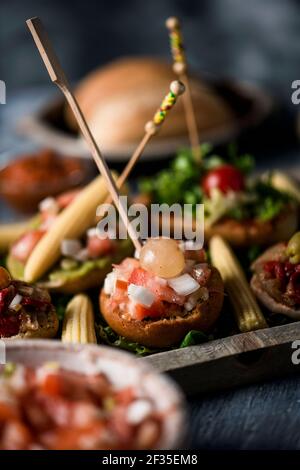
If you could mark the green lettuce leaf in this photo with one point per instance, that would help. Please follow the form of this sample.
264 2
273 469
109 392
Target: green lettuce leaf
193 337
108 336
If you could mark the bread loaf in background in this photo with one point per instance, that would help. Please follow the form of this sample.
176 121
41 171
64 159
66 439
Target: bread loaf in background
119 98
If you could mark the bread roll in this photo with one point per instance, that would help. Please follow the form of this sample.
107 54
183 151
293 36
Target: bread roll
165 332
119 98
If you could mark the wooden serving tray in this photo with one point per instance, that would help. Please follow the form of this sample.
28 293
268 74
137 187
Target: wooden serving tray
232 361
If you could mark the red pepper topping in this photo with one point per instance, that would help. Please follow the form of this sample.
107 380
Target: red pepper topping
287 274
9 325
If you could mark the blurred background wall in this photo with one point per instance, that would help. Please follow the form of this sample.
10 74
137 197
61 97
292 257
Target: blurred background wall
257 40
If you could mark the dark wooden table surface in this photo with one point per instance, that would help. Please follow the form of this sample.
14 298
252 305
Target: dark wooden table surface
262 416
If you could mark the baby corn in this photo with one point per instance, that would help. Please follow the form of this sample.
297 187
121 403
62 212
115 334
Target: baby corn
285 183
79 326
247 312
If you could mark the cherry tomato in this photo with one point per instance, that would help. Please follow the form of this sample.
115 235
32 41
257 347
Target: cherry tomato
23 247
99 246
225 178
64 199
52 385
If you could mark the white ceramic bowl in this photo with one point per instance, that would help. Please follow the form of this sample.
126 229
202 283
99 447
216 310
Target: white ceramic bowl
121 368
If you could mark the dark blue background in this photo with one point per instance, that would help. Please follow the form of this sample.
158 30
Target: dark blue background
257 40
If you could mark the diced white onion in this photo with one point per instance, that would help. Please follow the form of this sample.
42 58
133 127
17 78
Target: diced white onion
138 411
82 255
101 234
181 245
15 301
161 281
18 382
109 283
46 369
201 294
191 245
49 205
70 247
189 305
184 284
140 295
200 269
92 232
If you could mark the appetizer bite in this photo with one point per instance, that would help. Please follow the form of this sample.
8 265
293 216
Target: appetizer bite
159 298
276 278
25 311
31 178
68 254
243 210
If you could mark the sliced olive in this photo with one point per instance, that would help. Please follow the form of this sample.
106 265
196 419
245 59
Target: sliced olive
293 249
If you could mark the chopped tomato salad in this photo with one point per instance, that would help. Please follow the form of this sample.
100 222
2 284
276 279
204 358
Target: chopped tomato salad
140 294
54 409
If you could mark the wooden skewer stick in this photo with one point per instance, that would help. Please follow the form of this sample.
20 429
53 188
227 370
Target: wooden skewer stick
151 128
58 77
180 68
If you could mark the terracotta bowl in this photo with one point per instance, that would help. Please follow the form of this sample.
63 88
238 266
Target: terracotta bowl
122 369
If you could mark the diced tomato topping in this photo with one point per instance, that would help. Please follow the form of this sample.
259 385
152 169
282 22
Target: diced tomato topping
196 255
156 310
294 285
6 296
122 285
124 269
125 396
7 412
100 246
75 438
15 436
52 384
162 291
66 410
9 325
67 197
34 302
287 274
23 247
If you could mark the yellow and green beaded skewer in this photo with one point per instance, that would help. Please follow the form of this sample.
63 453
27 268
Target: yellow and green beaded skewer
180 68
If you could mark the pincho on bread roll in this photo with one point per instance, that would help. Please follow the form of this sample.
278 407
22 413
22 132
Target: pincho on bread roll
25 311
66 253
244 210
276 278
119 98
157 299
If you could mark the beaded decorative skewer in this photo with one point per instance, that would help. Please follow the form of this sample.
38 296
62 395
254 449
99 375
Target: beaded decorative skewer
151 128
180 68
58 77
